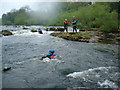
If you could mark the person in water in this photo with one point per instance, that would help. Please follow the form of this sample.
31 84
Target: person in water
74 22
66 25
49 55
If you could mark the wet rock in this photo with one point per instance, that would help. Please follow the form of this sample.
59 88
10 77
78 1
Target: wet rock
118 38
90 37
55 29
6 32
84 40
6 68
94 39
40 32
60 29
33 30
81 37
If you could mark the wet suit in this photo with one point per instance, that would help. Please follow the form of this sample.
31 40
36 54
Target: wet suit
49 55
66 25
74 21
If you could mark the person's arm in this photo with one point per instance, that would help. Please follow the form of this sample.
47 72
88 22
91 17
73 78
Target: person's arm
71 21
48 55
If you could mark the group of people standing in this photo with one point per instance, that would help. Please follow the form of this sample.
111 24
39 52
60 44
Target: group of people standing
74 22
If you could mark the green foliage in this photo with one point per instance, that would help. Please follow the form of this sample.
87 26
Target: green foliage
98 15
103 15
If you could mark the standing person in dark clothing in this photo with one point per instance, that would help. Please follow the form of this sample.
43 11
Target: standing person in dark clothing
74 22
66 25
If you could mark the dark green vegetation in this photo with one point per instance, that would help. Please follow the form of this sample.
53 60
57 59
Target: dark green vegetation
99 15
6 32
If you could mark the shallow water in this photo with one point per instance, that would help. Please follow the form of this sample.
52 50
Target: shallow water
23 50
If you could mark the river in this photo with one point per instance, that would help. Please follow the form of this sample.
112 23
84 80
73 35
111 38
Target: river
80 64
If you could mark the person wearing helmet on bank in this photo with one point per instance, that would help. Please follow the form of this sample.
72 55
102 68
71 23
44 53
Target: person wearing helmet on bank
66 25
74 22
49 55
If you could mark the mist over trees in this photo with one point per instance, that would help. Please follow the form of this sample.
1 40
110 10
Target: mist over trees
102 15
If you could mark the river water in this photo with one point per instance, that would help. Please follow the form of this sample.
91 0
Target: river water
80 64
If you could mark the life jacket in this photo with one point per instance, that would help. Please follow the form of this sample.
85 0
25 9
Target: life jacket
66 22
52 56
74 21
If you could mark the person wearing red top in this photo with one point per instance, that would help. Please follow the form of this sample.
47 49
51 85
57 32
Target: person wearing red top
49 55
66 25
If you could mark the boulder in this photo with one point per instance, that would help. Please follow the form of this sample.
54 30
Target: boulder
61 29
33 30
6 32
40 32
55 29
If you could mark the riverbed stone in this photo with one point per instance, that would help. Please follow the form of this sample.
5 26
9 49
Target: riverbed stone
6 32
94 39
33 30
40 32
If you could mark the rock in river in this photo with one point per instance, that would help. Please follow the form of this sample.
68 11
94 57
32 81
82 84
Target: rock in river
33 30
6 32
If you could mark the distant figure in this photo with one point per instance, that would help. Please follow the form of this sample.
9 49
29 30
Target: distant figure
66 25
74 22
49 55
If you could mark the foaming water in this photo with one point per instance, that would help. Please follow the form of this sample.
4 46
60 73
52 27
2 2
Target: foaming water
25 33
87 72
107 84
102 76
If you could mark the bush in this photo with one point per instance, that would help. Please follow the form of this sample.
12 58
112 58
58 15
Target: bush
97 15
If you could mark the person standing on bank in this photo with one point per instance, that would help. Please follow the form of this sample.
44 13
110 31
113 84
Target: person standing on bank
74 22
66 25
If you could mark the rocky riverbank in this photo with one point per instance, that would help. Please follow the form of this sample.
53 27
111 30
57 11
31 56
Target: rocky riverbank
90 36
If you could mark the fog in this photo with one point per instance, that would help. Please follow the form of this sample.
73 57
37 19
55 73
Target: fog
46 12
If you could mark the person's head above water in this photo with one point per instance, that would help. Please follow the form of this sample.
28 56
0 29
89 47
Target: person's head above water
52 51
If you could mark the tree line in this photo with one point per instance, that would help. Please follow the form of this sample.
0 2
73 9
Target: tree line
103 15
